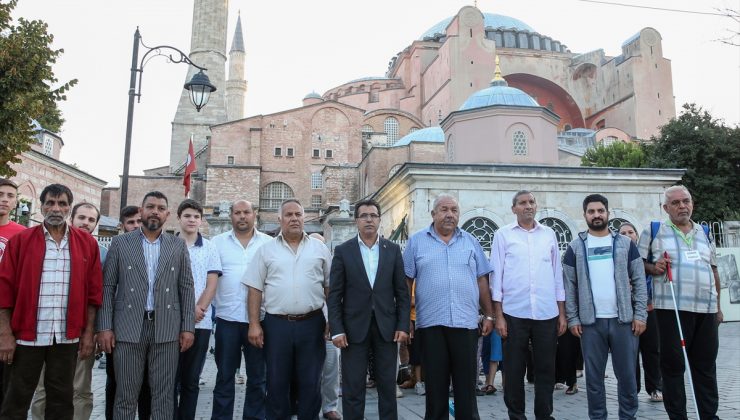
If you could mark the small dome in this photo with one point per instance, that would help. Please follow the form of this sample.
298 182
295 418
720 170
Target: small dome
498 94
490 20
424 135
312 95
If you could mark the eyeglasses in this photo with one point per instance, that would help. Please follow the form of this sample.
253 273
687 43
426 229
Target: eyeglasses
367 216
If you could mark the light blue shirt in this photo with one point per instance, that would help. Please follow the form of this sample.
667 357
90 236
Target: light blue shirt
446 276
151 256
370 257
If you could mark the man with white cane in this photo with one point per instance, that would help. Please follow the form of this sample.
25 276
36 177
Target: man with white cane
681 257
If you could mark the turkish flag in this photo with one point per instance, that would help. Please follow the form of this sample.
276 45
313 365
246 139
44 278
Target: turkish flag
189 167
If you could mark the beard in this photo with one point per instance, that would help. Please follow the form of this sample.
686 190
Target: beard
597 227
153 224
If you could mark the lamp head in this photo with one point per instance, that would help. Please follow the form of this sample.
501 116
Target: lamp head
200 88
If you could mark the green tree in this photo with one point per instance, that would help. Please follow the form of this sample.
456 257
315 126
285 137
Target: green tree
616 155
710 152
26 84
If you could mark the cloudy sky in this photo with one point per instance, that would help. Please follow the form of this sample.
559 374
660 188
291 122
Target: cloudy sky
295 47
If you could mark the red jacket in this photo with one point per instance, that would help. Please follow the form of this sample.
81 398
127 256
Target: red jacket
20 280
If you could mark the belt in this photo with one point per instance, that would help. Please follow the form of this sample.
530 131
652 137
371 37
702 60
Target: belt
149 315
300 317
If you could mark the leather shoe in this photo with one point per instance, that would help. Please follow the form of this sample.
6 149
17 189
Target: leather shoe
332 415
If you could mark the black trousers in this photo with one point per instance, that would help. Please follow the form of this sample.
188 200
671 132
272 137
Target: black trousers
569 347
650 351
22 377
354 366
700 332
544 336
449 352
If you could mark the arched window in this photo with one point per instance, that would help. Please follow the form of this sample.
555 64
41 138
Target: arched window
391 130
273 194
519 140
609 140
562 232
393 170
483 229
616 223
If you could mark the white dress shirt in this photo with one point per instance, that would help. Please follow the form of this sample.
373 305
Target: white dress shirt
370 257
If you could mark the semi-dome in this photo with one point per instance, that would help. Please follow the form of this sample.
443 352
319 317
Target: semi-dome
498 95
312 95
490 20
424 135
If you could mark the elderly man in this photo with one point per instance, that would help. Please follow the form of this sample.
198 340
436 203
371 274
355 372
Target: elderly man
84 216
148 309
50 289
236 248
529 301
289 276
369 308
450 273
693 261
606 306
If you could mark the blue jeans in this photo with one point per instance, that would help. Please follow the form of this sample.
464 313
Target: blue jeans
597 339
231 343
188 375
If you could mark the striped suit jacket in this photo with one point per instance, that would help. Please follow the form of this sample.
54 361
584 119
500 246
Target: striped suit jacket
125 288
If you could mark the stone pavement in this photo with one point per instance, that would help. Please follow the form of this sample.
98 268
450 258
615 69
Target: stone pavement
567 407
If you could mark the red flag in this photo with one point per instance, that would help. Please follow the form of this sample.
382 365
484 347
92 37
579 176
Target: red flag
189 167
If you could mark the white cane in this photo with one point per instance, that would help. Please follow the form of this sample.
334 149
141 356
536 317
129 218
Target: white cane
669 275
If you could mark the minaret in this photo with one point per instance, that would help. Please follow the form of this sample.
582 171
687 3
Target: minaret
207 49
236 86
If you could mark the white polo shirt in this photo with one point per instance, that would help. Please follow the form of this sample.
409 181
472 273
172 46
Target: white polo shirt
231 295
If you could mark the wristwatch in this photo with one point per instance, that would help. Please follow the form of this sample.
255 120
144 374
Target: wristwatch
490 318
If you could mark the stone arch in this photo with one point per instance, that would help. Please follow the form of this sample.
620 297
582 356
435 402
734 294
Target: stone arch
546 91
482 212
329 116
615 213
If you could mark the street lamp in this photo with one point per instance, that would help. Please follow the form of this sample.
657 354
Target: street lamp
200 88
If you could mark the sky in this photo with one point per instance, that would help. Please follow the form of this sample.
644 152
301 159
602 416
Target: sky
294 47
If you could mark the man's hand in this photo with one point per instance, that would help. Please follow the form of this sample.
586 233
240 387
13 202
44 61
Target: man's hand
638 327
577 330
186 340
562 325
87 345
255 335
720 316
200 313
486 327
107 341
7 348
340 341
501 327
400 337
660 266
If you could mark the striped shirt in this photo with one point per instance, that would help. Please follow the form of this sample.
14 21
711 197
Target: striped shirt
151 256
51 319
446 278
692 257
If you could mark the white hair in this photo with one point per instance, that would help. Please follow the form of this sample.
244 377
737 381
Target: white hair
442 197
670 190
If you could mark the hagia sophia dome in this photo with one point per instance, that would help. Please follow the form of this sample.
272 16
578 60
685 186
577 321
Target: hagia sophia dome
490 20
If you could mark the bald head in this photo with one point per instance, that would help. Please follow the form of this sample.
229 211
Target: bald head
242 216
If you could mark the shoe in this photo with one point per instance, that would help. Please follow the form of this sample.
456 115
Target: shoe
332 415
408 384
559 386
487 390
420 388
399 393
573 389
240 380
656 396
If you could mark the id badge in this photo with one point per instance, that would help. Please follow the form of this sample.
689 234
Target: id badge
692 255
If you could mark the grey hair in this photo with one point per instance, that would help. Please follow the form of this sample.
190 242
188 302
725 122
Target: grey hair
673 189
441 197
519 193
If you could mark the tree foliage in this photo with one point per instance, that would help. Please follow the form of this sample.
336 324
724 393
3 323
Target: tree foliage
710 152
26 84
616 155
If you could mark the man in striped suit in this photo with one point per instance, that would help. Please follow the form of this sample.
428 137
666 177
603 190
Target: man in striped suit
148 309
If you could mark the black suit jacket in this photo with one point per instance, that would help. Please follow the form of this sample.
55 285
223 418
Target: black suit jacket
352 302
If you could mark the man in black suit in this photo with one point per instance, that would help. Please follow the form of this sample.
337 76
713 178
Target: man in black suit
369 307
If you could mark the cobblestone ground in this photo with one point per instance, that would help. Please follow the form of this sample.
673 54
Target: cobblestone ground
567 407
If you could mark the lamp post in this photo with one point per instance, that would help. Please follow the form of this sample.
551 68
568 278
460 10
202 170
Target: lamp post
200 88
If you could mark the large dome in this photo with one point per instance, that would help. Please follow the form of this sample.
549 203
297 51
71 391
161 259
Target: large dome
498 95
491 20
